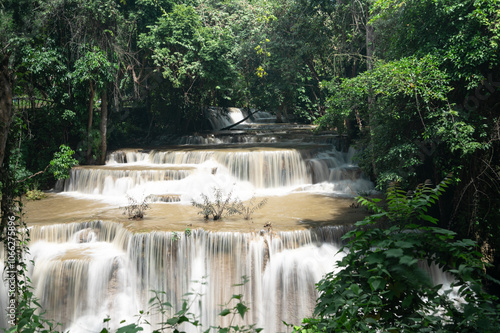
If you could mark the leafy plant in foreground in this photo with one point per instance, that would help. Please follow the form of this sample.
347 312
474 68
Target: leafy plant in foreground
382 284
177 323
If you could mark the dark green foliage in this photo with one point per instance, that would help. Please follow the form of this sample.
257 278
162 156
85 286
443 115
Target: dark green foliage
429 105
382 284
409 112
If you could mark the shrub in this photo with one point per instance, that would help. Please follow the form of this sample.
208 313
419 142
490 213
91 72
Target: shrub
247 211
63 161
225 206
135 209
35 195
219 207
381 285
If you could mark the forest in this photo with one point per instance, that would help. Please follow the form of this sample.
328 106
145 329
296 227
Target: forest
414 85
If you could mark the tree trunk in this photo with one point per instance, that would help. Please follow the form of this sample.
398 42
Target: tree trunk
104 126
369 46
6 109
89 127
279 118
371 115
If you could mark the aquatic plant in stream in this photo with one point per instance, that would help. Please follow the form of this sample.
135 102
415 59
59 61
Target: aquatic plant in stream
252 206
136 209
35 194
221 205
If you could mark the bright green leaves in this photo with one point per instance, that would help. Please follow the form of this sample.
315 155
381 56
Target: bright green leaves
93 66
63 162
430 105
410 118
191 46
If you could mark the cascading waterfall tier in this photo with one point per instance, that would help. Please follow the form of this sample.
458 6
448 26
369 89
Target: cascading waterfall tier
84 271
181 175
110 180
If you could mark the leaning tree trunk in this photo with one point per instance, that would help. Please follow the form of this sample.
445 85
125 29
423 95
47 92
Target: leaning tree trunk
6 109
89 127
104 126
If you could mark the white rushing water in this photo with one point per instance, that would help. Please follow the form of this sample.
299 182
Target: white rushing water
84 272
186 174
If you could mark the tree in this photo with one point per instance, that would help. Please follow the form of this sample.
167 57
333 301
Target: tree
456 131
94 69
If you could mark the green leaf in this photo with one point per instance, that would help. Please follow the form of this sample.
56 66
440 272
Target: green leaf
393 253
172 321
131 328
355 289
404 245
242 309
407 260
376 283
224 312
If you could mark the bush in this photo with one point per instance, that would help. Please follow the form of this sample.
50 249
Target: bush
226 206
247 211
63 161
381 285
135 209
218 207
35 195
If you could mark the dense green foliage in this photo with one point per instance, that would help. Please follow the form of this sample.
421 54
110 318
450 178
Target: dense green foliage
384 282
428 105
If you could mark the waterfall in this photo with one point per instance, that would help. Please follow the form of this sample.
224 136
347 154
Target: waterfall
110 181
181 175
84 272
224 117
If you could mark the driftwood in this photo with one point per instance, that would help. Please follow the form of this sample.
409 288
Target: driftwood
239 122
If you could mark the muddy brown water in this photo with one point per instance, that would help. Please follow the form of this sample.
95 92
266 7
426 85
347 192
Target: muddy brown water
291 212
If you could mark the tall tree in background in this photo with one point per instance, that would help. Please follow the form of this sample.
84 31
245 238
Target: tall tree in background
434 106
